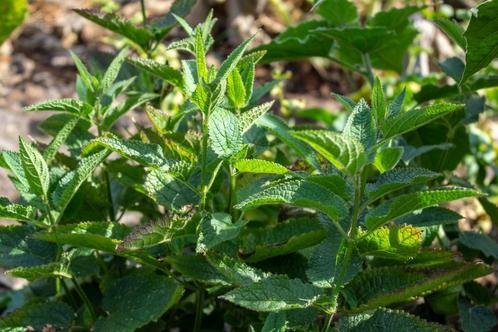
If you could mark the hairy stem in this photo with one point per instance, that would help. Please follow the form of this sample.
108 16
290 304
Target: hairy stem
144 14
84 298
199 303
112 213
359 188
204 152
368 66
231 193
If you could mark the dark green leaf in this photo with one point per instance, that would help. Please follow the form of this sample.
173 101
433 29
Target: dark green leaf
104 236
297 42
481 242
38 316
169 191
137 299
337 12
475 319
35 168
284 238
482 39
274 295
386 159
170 75
453 30
397 179
119 25
72 106
69 184
12 211
380 287
411 120
280 129
299 193
217 228
432 216
143 153
387 320
404 204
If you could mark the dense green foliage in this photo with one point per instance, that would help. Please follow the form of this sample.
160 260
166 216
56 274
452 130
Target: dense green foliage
243 220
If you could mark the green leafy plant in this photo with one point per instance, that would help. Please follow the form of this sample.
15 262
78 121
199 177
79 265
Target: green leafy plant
243 220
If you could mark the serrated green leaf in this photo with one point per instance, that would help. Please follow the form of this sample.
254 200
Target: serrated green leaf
345 153
232 61
453 30
380 287
179 8
297 42
137 299
475 318
345 101
432 216
411 120
236 271
133 101
364 40
39 315
196 267
18 248
396 105
59 139
112 71
215 229
481 242
12 161
72 106
482 40
119 25
379 105
155 233
251 116
326 261
274 295
387 320
102 236
282 239
88 79
200 55
395 242
225 133
397 179
299 193
13 211
37 272
404 204
386 159
169 191
336 183
236 90
337 12
170 75
260 166
69 184
453 67
35 168
275 322
282 131
360 126
144 153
